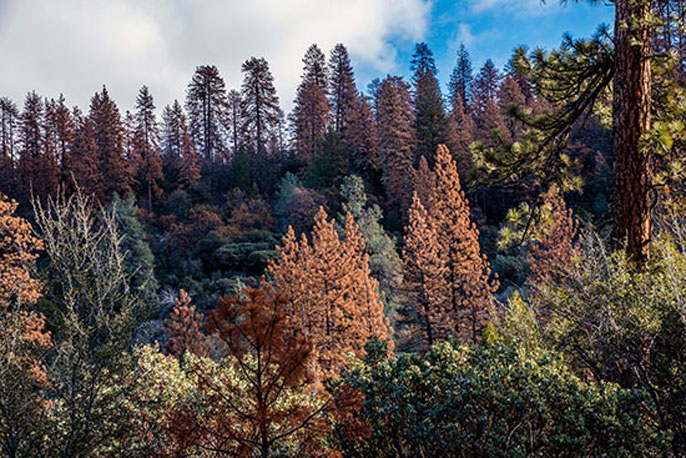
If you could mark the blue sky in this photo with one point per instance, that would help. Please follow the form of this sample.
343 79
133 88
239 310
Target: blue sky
493 28
75 46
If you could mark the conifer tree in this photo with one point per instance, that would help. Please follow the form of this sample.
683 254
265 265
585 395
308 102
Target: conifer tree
555 245
360 138
510 95
113 170
461 79
81 165
464 130
146 147
310 115
234 120
485 86
397 140
37 166
468 273
384 263
431 123
206 105
259 106
422 62
257 400
184 329
425 278
60 131
342 90
9 115
181 162
329 164
332 299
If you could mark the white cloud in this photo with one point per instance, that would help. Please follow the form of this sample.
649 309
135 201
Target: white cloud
519 8
75 46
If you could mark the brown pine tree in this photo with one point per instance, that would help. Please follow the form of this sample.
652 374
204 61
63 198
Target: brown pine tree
60 131
360 138
110 156
310 115
332 298
425 279
555 245
184 329
37 165
464 131
342 90
257 401
395 122
468 272
180 158
81 166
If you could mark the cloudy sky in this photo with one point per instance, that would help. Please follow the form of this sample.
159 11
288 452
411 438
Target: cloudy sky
75 46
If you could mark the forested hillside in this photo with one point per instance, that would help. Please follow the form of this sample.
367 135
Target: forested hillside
485 263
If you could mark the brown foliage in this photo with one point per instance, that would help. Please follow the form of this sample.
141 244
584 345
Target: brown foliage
446 227
332 298
17 253
184 329
555 246
425 272
251 413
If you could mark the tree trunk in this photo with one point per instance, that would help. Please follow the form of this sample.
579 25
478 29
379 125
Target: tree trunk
631 120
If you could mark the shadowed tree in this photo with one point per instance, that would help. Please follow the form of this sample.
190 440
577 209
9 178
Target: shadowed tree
260 110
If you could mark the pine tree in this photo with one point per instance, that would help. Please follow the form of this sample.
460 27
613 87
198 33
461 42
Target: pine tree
510 95
461 79
146 147
328 165
555 246
360 138
485 86
184 329
114 172
81 165
37 166
259 106
60 130
422 62
206 105
310 115
257 400
465 131
397 140
342 90
234 120
467 268
332 299
384 263
9 116
425 279
180 161
431 123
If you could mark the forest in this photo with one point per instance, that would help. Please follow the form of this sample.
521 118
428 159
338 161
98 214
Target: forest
498 269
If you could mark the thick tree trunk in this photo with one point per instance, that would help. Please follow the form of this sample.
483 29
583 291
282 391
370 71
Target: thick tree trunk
631 120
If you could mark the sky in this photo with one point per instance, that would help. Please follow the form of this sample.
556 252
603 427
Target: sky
73 47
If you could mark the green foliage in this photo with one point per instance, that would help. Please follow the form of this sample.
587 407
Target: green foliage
95 314
620 324
241 171
140 262
384 262
492 399
329 163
